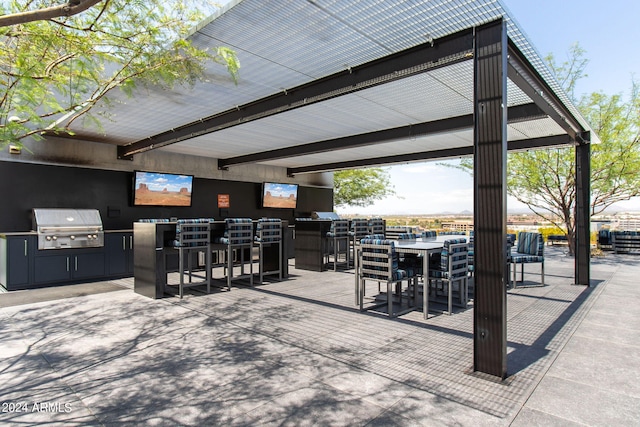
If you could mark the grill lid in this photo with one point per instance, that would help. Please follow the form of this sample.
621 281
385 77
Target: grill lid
324 215
78 219
68 228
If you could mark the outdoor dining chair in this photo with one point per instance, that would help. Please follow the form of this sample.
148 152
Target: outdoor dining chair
529 250
448 275
376 226
378 262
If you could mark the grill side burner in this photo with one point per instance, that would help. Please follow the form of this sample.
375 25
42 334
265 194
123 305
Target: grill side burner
68 228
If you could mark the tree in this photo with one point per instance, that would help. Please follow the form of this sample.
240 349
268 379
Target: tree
54 71
73 7
361 187
544 179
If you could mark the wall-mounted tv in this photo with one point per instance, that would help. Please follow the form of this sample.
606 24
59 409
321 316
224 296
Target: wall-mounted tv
275 195
161 189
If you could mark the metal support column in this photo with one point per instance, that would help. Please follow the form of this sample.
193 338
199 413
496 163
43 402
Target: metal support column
583 211
490 199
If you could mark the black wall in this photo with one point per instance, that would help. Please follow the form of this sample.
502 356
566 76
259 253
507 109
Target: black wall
24 186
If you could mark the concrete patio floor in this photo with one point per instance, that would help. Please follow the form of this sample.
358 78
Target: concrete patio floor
298 352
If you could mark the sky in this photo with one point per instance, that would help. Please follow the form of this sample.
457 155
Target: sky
607 31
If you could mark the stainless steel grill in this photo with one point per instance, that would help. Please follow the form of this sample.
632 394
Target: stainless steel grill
324 215
68 228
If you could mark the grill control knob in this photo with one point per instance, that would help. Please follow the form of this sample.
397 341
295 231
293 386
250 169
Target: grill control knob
54 238
48 238
72 237
89 237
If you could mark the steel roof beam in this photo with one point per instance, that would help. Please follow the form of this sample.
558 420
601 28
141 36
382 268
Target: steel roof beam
523 75
449 153
418 59
516 114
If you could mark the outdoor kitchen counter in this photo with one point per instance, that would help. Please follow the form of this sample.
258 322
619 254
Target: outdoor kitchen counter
24 266
154 256
17 233
35 233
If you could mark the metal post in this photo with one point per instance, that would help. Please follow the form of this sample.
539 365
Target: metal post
582 213
490 199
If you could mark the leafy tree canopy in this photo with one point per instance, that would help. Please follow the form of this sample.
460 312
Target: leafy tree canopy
53 71
361 187
544 180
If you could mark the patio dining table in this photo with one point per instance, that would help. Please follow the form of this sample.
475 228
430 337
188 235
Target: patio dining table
420 246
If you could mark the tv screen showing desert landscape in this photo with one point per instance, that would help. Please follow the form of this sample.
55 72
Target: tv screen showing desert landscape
276 195
162 189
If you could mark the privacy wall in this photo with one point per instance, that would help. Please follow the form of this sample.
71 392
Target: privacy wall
24 186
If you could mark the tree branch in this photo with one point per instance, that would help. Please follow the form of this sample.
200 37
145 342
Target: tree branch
73 7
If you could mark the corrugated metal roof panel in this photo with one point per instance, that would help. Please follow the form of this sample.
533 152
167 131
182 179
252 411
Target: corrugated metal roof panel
284 44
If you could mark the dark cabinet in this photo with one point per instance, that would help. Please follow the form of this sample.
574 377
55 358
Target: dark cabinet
52 268
310 244
119 252
88 265
74 265
15 261
24 266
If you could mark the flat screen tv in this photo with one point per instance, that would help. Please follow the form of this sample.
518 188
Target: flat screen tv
161 189
275 195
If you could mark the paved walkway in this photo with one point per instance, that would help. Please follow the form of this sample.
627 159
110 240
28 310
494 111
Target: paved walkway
297 352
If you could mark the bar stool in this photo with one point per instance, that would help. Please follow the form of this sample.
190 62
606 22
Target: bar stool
193 235
359 230
269 233
238 240
338 237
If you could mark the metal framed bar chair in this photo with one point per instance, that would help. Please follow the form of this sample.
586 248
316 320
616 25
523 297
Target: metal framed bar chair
429 234
193 236
529 250
378 261
268 234
237 243
358 231
449 276
376 226
338 243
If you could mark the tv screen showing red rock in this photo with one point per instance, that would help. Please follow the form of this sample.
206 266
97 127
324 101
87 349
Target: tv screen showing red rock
161 189
276 195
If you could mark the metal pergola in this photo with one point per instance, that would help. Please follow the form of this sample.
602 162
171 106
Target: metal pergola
476 88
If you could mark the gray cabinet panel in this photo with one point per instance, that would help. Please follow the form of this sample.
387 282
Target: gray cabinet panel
119 252
88 265
52 268
16 261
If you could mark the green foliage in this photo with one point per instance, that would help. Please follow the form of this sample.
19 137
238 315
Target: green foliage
361 187
544 180
615 164
53 72
548 231
569 72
